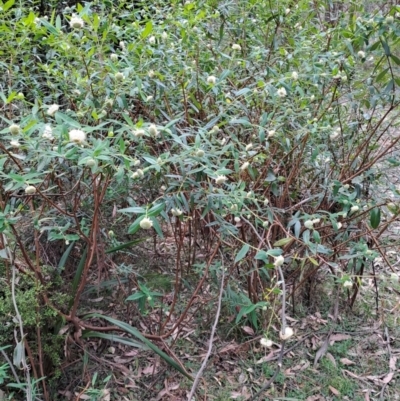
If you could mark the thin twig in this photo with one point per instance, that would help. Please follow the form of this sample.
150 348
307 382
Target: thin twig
271 380
211 341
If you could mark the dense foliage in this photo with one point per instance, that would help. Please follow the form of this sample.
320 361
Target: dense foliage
258 129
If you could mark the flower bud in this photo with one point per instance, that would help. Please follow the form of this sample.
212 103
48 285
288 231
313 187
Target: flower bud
30 190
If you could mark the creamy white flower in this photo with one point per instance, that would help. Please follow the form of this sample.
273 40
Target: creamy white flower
164 36
271 133
200 153
334 135
76 22
265 224
136 162
236 46
152 40
48 132
237 219
361 54
223 141
119 76
114 57
211 80
153 130
90 162
316 221
279 261
149 98
287 334
214 129
109 102
394 277
249 194
137 174
281 92
295 75
30 190
249 146
339 225
309 224
15 144
347 284
266 342
146 223
176 212
220 179
77 136
244 166
139 133
14 129
389 19
151 74
122 45
52 109
354 209
287 11
266 202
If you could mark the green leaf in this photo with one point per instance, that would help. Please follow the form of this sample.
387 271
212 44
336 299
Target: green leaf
64 257
67 119
282 241
385 47
125 245
49 27
8 5
134 332
375 217
78 275
242 253
133 209
395 59
114 337
147 30
135 226
157 227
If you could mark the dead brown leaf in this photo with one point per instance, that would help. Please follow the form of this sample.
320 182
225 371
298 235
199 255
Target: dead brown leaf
248 330
331 358
388 378
346 361
334 390
339 337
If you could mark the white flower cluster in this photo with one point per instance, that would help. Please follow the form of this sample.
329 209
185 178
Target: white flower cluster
211 80
52 109
266 342
287 334
335 134
347 284
48 132
281 92
310 223
220 179
76 22
77 136
146 223
14 129
176 212
137 174
30 190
